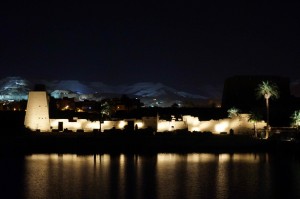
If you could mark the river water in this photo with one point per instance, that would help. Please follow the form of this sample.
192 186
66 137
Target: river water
164 175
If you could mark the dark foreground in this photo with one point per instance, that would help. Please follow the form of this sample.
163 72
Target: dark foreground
83 143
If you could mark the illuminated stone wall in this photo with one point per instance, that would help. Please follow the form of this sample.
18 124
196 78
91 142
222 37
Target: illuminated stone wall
150 122
86 125
163 125
239 124
37 118
74 125
107 125
37 111
89 126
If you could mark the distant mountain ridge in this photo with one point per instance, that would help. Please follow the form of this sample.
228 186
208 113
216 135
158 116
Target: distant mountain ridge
143 89
148 92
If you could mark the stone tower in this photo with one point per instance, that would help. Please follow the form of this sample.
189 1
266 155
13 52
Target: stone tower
37 111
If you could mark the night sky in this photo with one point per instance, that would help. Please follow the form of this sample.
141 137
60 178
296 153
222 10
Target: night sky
181 44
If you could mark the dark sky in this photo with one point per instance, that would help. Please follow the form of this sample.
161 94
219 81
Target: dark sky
181 44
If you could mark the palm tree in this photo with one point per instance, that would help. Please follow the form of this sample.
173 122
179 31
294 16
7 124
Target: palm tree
254 117
296 119
105 110
233 112
267 90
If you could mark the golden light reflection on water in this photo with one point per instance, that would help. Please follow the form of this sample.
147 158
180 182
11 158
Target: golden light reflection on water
208 157
215 172
222 176
163 175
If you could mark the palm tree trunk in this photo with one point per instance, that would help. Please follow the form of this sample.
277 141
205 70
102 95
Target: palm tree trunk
268 119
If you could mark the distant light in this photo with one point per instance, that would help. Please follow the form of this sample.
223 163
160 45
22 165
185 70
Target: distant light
79 110
65 108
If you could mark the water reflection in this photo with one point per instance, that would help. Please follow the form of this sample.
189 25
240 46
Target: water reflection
159 176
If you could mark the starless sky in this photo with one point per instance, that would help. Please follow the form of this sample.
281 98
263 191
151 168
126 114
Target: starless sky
181 44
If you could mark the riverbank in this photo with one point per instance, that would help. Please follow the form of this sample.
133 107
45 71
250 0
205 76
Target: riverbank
83 143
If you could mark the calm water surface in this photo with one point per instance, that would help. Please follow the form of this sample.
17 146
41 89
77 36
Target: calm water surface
196 175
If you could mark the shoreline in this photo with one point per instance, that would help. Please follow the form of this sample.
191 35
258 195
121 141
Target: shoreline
96 143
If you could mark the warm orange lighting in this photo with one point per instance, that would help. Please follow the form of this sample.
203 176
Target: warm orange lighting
37 114
65 108
221 127
139 124
37 118
224 157
79 110
122 124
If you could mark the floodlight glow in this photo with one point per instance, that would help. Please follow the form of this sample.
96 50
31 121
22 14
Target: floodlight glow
221 127
93 125
122 124
139 124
